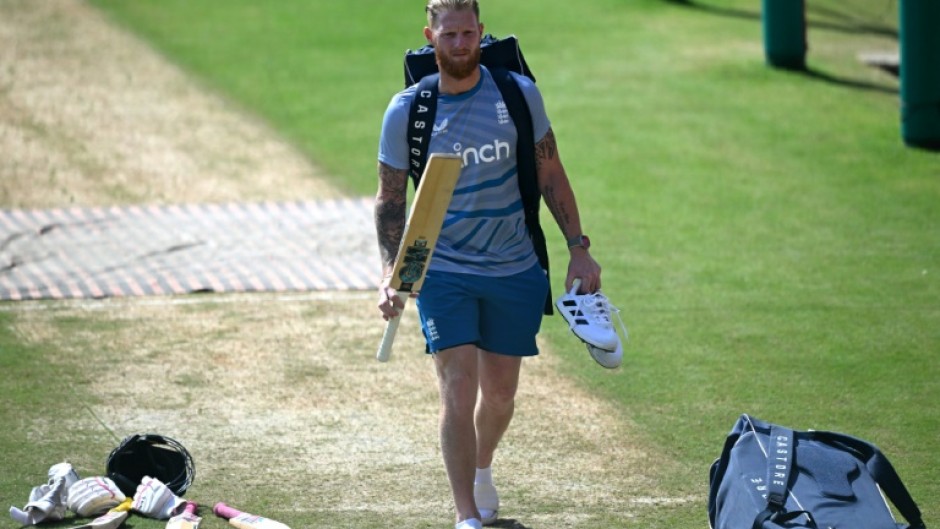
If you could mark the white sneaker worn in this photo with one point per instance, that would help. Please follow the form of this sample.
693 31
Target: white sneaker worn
588 317
487 500
469 523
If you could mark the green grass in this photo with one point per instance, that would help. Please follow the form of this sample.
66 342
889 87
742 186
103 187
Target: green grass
771 241
38 396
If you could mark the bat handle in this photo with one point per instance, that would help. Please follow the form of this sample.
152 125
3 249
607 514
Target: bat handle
191 507
225 511
391 328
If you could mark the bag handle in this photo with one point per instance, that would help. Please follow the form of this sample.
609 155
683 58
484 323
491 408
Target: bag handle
881 469
782 518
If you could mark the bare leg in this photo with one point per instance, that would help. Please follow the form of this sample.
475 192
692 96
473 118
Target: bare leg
457 373
499 379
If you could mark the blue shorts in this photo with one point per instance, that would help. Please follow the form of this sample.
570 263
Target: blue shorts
498 314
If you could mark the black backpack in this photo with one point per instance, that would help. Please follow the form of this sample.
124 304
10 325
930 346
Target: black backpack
500 56
772 477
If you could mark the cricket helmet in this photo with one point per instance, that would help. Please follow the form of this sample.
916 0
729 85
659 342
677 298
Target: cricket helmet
152 455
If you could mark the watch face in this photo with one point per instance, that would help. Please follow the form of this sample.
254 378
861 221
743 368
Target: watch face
579 240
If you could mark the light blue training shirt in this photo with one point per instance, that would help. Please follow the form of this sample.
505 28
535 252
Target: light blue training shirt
484 230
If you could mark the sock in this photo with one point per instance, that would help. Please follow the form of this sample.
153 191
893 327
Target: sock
484 475
469 523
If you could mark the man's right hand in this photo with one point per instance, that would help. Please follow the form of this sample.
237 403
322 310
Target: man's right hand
389 303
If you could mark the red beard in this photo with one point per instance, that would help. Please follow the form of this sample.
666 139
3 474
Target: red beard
461 68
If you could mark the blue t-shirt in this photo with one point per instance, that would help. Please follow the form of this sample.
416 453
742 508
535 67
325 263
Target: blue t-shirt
484 231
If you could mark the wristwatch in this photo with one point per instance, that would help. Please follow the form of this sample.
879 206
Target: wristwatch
579 240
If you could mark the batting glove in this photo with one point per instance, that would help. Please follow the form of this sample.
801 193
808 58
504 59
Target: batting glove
155 500
94 496
45 504
63 470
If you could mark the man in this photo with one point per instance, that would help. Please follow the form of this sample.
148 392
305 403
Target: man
482 301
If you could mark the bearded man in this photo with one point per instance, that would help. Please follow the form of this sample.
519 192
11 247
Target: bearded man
482 301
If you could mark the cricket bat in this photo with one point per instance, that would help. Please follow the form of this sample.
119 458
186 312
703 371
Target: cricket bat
421 231
186 519
111 519
244 520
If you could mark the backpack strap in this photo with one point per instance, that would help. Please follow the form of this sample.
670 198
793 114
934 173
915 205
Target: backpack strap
779 466
526 167
881 469
420 124
421 117
780 454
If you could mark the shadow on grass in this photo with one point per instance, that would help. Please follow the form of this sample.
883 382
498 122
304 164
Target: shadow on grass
845 22
850 24
819 75
716 10
508 523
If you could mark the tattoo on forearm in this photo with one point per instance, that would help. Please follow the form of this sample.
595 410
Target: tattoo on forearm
556 198
390 231
557 207
390 205
546 149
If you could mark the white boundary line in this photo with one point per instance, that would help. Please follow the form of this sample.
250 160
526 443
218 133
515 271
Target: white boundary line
665 500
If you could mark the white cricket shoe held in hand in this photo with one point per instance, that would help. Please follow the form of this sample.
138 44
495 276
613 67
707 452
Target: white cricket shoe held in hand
155 500
588 316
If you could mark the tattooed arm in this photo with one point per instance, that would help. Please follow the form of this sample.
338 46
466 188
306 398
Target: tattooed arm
554 185
559 197
390 205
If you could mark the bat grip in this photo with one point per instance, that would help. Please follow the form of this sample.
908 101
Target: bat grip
391 328
225 511
191 507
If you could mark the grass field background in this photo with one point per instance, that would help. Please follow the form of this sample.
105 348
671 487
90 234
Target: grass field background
771 241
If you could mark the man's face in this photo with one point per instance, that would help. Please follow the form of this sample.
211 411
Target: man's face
456 39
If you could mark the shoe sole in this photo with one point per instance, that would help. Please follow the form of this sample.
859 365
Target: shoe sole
606 358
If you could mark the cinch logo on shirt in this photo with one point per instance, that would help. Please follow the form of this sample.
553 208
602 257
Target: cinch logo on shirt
488 153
